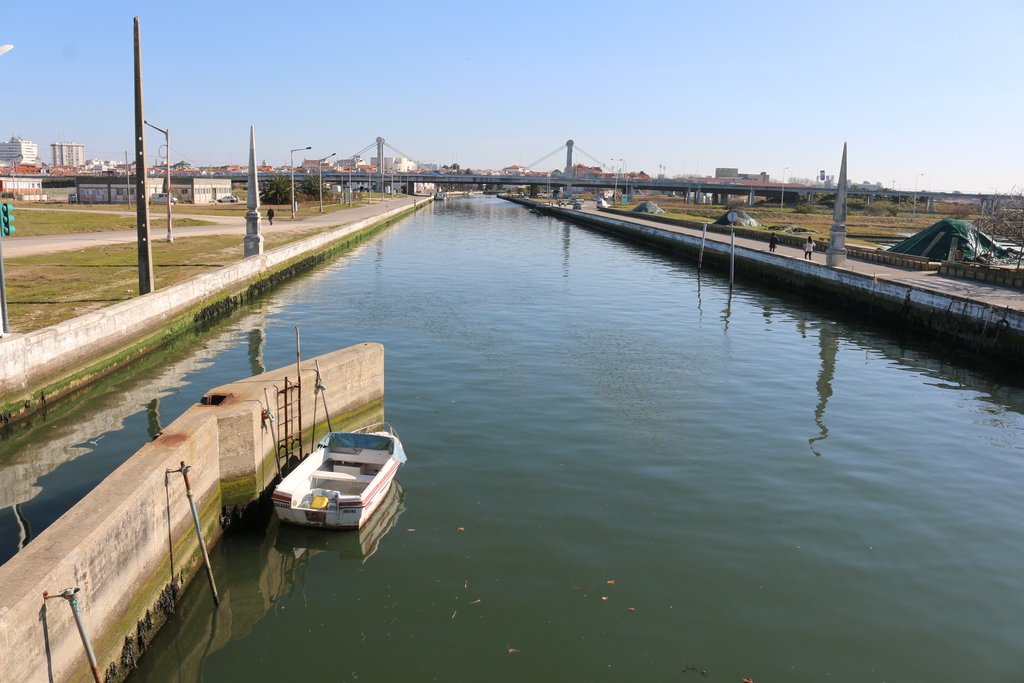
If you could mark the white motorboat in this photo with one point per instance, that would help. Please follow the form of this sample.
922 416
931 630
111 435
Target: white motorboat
440 196
341 483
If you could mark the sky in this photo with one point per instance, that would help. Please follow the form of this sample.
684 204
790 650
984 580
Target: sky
926 94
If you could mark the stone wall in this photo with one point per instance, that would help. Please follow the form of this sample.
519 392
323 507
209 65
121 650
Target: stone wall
1007 277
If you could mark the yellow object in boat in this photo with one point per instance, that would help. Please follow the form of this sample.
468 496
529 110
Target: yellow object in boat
318 503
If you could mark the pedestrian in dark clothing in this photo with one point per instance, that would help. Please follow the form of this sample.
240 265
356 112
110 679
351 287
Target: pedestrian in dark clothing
773 242
270 216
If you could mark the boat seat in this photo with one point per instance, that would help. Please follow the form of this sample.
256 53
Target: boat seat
342 476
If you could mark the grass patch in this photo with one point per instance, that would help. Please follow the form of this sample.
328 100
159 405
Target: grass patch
46 289
40 223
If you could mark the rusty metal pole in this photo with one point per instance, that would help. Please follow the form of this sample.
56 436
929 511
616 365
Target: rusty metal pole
70 594
703 239
298 372
199 529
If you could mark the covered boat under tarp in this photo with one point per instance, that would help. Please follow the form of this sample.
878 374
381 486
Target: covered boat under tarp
935 241
648 207
742 219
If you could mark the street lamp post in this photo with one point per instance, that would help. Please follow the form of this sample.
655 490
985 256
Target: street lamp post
291 166
320 167
615 186
782 198
127 181
167 144
913 213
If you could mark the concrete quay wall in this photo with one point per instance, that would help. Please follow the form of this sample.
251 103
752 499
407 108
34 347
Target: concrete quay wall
958 320
130 545
353 381
55 360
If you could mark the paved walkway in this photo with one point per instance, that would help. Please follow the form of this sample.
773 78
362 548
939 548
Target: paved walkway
994 295
14 247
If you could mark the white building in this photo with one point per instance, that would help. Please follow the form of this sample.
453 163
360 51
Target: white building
395 164
67 154
19 149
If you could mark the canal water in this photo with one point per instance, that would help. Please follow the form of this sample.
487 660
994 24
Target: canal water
618 470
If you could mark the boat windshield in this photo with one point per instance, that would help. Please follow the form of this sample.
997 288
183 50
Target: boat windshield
373 442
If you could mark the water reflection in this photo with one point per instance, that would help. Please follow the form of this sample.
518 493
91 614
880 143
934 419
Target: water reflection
29 456
828 344
258 575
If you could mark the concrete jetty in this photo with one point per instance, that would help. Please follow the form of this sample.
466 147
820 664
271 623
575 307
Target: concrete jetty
916 295
130 546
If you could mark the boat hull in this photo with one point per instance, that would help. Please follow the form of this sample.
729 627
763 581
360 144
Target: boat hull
346 513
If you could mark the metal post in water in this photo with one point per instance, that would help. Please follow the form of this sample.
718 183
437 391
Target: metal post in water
70 594
732 257
298 372
199 529
703 239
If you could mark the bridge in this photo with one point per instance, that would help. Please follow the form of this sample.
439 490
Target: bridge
697 190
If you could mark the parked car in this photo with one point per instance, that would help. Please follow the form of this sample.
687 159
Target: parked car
228 199
161 197
577 205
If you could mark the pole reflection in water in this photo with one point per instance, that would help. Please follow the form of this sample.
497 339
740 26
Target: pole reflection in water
259 584
828 343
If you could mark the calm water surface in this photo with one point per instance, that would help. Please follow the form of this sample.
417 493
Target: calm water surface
617 471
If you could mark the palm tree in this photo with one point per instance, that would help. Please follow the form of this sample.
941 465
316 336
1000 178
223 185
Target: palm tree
277 189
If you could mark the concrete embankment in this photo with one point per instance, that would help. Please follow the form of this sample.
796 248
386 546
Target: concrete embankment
980 317
130 545
43 365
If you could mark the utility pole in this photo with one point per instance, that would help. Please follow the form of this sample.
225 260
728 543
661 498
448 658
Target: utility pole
142 212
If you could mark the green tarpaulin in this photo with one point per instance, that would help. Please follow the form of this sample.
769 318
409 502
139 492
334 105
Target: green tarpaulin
935 241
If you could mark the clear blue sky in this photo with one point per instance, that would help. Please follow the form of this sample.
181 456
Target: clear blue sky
914 88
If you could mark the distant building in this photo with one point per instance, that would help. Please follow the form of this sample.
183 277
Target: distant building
727 172
112 190
67 154
25 189
395 164
19 149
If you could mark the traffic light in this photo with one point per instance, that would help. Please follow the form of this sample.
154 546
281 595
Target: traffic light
6 220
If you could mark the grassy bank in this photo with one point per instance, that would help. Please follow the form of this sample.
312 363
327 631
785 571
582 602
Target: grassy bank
37 223
50 288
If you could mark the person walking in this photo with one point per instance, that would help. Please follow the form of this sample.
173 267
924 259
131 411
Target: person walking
773 242
808 248
270 216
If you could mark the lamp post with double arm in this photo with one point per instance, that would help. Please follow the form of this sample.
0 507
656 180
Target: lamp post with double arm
320 167
167 144
291 166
